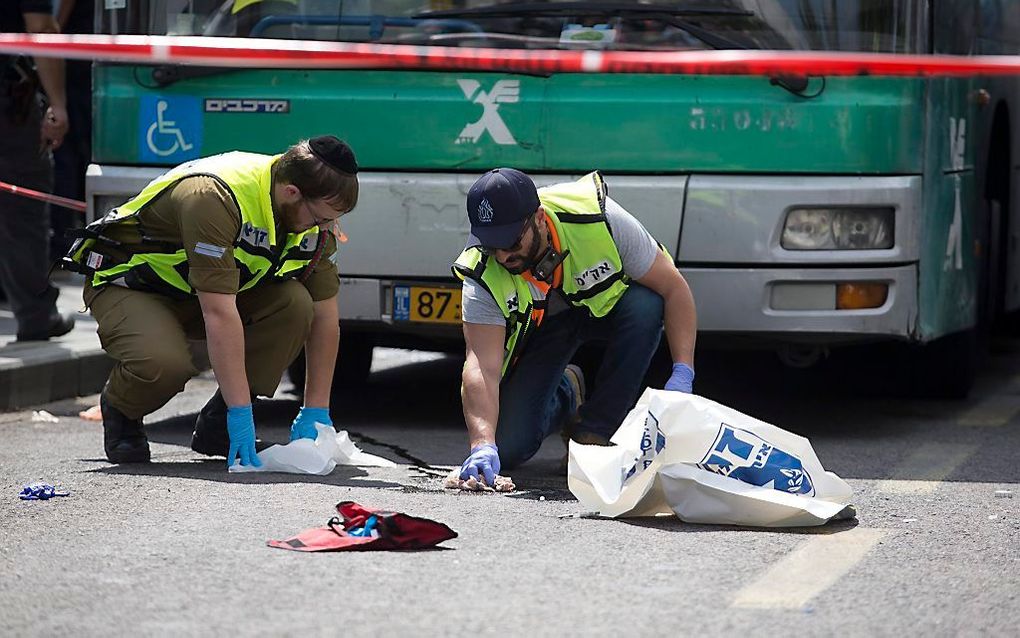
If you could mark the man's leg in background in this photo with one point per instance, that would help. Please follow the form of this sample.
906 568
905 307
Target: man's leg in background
25 232
71 160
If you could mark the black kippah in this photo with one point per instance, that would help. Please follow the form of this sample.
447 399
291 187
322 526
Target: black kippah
334 152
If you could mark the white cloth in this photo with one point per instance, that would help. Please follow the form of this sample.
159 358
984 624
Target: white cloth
320 457
706 463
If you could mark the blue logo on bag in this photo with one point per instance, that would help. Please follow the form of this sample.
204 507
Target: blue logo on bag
749 458
648 449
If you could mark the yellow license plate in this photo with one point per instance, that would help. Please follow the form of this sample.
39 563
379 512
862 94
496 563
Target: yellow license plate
426 304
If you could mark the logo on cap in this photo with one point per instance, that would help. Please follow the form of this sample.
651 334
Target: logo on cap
484 211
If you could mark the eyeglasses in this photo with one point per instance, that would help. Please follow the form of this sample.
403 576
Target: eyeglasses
488 250
320 221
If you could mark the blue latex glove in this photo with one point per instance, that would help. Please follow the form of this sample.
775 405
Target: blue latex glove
241 429
484 457
40 492
303 426
682 379
365 530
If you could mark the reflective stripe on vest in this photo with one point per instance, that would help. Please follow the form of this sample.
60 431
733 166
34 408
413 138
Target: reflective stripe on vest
512 294
592 271
248 178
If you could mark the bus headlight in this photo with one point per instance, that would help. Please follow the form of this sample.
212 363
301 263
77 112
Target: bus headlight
838 229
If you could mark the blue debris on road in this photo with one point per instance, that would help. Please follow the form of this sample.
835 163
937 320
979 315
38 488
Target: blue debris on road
40 492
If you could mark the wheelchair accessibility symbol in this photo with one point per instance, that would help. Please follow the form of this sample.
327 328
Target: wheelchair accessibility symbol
170 129
168 132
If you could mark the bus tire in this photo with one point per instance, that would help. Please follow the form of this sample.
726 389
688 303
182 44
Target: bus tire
997 200
354 361
946 367
353 365
296 373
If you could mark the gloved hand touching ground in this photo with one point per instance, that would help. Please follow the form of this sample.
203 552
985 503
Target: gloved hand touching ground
303 426
485 459
682 379
241 430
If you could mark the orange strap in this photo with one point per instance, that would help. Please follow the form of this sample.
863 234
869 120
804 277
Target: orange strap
537 314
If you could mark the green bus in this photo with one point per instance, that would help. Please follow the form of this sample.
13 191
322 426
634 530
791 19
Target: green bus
807 212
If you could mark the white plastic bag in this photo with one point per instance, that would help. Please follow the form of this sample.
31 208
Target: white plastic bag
706 463
320 457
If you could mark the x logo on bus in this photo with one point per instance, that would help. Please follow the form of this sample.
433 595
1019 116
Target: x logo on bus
503 92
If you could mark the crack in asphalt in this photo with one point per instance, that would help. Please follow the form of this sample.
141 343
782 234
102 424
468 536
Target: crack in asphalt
396 449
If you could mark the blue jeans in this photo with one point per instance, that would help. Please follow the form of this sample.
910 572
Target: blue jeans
536 400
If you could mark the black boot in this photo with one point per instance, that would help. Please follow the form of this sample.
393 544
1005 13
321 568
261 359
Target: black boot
210 436
58 325
123 438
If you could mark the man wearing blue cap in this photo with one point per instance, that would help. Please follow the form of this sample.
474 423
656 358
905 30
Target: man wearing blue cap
544 272
234 248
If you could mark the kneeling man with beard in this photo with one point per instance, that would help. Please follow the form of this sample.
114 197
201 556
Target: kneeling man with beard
235 249
544 272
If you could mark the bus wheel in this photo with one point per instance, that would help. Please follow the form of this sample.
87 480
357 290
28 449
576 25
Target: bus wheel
354 361
944 368
353 365
296 372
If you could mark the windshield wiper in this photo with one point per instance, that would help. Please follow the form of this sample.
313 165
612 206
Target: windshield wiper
166 74
670 15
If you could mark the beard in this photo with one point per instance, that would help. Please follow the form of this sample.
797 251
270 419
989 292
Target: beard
529 259
290 218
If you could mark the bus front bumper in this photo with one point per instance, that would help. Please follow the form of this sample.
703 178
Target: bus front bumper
800 304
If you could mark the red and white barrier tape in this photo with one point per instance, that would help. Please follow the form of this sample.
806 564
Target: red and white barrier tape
291 54
57 200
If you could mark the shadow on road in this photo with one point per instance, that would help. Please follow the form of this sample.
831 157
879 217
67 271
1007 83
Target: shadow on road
424 393
673 524
213 470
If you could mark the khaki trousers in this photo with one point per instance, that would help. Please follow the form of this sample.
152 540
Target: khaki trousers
147 335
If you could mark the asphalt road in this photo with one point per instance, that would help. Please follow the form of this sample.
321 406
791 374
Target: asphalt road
178 546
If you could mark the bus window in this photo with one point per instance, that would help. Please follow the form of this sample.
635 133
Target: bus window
892 26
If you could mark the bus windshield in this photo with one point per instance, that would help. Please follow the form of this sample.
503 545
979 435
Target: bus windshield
888 26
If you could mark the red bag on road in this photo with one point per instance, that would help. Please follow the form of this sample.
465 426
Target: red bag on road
385 530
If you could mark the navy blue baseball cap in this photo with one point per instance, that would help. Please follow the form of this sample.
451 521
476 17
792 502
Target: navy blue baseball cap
499 204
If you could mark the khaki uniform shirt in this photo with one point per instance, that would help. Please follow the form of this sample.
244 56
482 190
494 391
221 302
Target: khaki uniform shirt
199 214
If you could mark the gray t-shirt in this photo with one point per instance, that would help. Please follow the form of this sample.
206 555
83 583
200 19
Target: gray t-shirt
637 252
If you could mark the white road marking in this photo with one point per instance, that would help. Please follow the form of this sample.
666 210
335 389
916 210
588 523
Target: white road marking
925 468
814 566
992 412
995 410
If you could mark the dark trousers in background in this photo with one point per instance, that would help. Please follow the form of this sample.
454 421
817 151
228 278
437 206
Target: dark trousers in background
535 400
25 223
147 335
71 160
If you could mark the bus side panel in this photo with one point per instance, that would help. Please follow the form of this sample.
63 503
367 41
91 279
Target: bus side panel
951 220
114 105
568 123
733 124
393 120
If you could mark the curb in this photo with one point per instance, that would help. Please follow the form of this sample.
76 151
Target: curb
34 374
